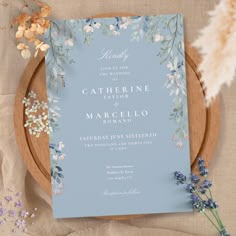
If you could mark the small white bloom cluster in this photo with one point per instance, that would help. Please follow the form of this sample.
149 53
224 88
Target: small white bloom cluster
158 38
36 115
88 28
126 21
59 156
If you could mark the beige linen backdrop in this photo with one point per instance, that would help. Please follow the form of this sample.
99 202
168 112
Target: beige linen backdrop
13 174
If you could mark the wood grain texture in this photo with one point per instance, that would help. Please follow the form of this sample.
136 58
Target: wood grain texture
203 122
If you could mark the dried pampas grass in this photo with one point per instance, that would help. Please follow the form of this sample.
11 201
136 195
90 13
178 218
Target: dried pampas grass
217 44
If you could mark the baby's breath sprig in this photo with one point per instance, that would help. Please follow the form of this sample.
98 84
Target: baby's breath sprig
36 115
201 196
30 29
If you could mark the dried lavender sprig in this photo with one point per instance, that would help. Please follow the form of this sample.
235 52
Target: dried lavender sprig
199 188
206 185
212 206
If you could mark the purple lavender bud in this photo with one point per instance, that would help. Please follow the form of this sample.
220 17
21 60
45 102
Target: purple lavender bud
195 198
198 203
200 162
202 168
203 171
206 184
181 179
195 179
195 201
202 190
224 233
191 188
204 204
211 204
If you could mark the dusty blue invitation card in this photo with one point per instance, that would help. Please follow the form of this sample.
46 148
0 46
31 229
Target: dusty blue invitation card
118 115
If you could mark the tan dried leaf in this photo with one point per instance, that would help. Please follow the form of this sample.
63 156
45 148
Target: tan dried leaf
25 53
21 46
28 34
44 47
19 34
33 27
22 19
40 29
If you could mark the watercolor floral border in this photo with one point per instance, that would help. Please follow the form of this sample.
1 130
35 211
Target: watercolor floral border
167 30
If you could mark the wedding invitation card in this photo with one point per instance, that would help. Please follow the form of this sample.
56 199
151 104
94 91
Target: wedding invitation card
117 115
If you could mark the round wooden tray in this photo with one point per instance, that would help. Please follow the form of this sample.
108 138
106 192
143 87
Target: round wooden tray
203 122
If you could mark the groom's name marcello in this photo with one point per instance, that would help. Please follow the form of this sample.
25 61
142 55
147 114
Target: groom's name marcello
116 115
